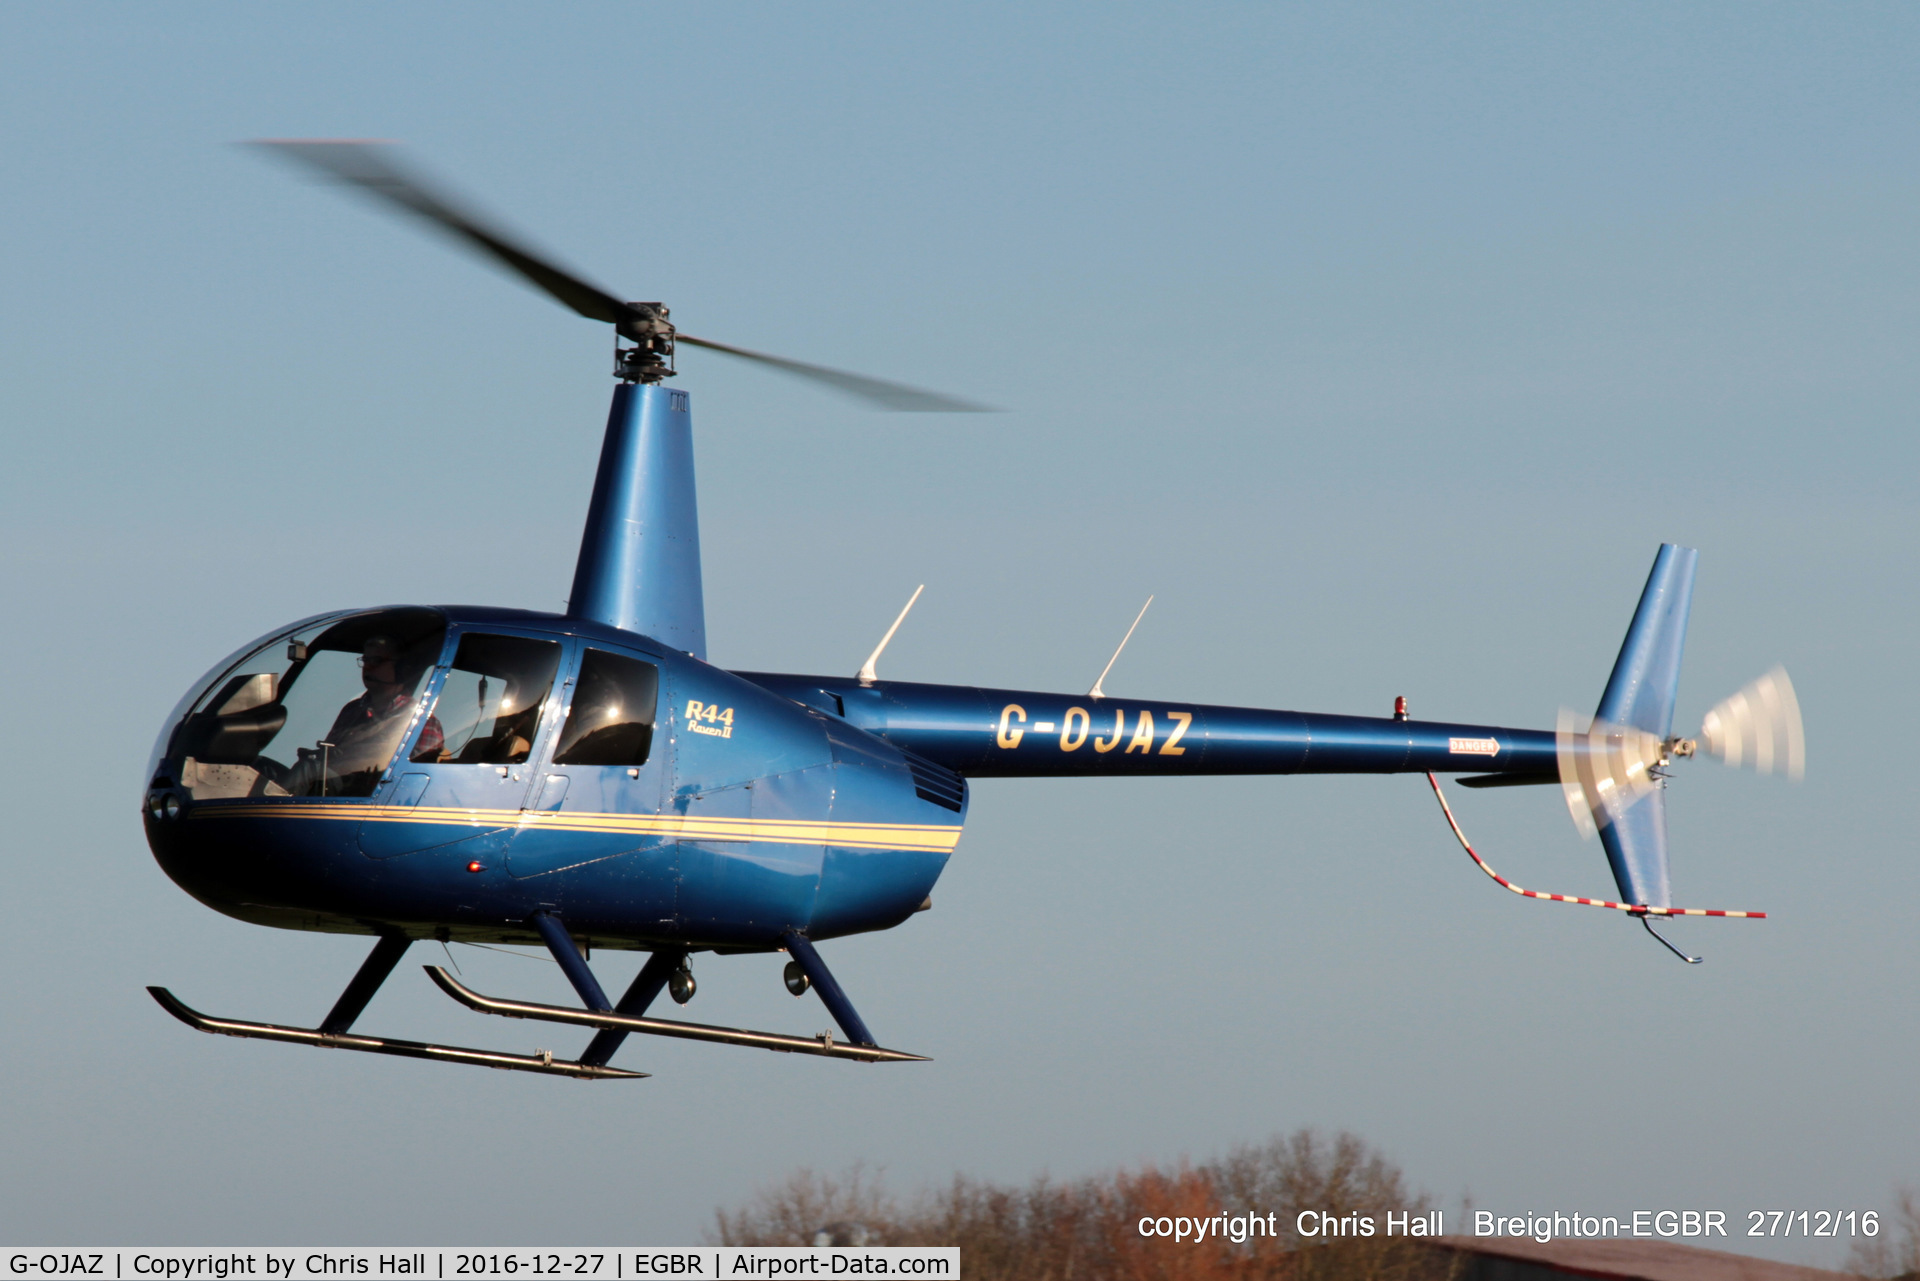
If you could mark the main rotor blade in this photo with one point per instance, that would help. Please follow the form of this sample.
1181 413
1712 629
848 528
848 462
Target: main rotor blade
372 167
877 391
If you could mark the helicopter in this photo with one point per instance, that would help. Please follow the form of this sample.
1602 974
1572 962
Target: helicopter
588 779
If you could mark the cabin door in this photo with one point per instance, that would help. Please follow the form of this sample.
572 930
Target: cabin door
466 769
594 809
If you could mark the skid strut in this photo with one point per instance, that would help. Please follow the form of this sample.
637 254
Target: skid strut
571 963
366 981
615 1023
645 986
639 995
801 949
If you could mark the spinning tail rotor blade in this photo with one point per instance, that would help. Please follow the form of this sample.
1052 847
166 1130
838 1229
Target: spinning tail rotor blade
374 168
1759 728
1605 769
1568 741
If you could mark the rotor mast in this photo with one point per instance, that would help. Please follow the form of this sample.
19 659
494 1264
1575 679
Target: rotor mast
639 565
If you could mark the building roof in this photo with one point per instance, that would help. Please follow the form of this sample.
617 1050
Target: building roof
1639 1260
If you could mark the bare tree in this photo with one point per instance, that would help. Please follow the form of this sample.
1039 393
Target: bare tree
1340 1176
1342 1179
794 1210
1895 1253
1089 1229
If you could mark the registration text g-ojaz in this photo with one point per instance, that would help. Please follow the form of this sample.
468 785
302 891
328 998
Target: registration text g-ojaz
58 1265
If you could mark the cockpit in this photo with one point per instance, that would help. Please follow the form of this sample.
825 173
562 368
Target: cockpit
315 712
337 704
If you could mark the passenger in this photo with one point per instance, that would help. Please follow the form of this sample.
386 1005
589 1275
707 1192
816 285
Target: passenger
513 732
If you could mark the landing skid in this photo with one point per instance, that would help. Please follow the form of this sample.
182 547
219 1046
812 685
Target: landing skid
607 1020
611 1023
543 1063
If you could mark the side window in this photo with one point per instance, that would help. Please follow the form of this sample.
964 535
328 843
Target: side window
488 712
611 720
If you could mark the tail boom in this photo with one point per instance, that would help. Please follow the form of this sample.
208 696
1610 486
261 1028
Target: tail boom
1000 733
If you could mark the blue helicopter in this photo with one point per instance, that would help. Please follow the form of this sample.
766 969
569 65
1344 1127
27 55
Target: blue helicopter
588 779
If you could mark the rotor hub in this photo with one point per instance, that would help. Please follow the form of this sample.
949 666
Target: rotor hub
650 358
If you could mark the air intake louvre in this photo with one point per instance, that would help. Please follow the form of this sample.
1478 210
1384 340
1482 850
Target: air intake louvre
937 783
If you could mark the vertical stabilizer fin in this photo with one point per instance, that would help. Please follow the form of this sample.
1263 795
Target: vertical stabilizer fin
1646 676
1640 695
1636 845
639 567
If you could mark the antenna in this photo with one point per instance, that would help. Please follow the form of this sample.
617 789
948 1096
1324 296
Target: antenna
866 674
1096 691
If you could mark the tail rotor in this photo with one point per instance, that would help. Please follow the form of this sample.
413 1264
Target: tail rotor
1614 765
1606 769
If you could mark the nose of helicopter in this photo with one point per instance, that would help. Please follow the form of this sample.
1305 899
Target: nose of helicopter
313 711
238 878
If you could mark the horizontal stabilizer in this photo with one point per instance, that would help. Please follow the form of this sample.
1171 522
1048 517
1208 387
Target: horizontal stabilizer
1504 780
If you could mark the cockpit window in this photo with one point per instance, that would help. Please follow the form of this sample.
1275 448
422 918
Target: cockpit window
317 713
488 712
611 720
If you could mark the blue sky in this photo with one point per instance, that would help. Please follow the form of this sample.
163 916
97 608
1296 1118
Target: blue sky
1384 343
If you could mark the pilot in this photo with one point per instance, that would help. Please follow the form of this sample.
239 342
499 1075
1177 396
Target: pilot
367 722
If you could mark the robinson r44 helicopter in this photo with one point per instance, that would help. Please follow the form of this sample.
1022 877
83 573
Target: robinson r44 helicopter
586 779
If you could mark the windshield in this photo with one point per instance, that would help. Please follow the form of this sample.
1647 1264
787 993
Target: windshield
319 712
163 744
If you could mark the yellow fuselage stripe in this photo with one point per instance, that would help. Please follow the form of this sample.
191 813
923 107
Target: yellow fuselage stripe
931 838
